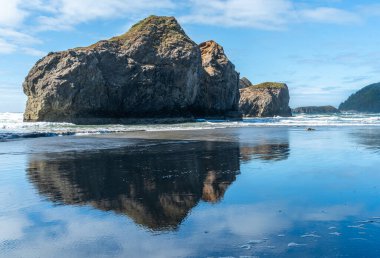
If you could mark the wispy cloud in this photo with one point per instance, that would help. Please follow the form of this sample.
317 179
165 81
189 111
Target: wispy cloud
6 47
355 79
261 14
65 14
21 21
329 15
10 13
264 14
12 37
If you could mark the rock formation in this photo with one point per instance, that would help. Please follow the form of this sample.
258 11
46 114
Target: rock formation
244 83
219 81
365 100
153 70
265 100
316 110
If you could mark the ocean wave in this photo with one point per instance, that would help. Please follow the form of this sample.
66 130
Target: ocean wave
13 127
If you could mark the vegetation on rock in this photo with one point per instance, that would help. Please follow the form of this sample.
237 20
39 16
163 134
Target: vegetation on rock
153 71
365 100
266 99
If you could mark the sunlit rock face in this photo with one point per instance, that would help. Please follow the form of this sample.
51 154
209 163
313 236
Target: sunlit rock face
265 100
152 71
219 89
155 186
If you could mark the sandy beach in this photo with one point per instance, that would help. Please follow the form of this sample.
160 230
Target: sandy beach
263 191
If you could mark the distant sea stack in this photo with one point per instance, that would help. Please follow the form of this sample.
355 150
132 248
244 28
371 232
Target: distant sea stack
365 100
153 70
265 100
316 110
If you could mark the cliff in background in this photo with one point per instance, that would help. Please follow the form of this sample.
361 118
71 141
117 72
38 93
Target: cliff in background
365 100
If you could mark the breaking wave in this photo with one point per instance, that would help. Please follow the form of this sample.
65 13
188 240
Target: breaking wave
13 127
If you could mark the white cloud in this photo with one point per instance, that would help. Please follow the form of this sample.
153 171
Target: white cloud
329 15
33 52
12 18
12 40
68 13
6 47
10 13
18 37
263 14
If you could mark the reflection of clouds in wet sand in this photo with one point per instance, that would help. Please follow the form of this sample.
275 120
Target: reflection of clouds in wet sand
12 226
81 235
262 220
77 234
162 202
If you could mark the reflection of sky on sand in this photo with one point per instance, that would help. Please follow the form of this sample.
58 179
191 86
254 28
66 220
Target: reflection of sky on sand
324 183
69 232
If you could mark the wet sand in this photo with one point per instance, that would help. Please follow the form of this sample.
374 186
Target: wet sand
268 191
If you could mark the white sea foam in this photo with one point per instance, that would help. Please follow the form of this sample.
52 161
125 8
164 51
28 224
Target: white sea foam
292 244
12 125
310 235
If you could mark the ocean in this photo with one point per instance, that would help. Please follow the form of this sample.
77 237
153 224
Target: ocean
12 125
256 188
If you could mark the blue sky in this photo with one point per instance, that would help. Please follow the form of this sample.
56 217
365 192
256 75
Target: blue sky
323 49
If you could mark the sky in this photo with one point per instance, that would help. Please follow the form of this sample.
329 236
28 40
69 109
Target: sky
325 50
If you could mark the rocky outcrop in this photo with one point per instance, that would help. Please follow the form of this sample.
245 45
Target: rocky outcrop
218 91
265 100
153 70
316 110
365 100
244 83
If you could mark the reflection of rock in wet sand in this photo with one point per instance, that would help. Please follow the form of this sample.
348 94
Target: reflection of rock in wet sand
369 138
155 186
272 151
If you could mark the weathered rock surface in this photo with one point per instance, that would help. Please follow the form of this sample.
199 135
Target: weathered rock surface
365 100
219 86
153 70
265 100
244 83
316 110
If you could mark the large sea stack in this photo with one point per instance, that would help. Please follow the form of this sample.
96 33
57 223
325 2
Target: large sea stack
154 70
365 100
265 100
